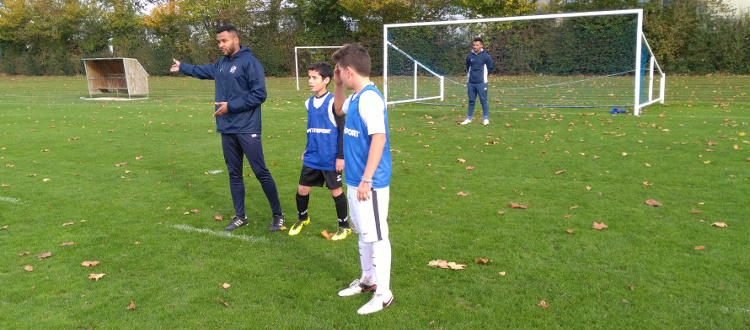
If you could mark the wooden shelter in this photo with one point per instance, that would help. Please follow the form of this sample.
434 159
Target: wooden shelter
121 76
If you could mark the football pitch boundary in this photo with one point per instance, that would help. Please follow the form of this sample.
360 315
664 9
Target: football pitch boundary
224 234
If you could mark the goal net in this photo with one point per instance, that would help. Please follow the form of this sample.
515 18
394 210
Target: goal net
590 59
305 55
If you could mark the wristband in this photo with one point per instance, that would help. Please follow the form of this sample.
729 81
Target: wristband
366 181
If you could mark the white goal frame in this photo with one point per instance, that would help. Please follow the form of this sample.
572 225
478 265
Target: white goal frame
640 41
296 61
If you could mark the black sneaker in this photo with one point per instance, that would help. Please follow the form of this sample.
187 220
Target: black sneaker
277 223
237 222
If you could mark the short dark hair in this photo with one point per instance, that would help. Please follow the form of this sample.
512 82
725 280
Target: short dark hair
227 28
323 68
355 56
479 39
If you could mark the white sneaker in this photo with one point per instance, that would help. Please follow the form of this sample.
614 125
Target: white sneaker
466 122
486 122
357 287
377 303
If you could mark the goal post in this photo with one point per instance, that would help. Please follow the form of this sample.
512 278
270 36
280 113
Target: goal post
579 60
314 55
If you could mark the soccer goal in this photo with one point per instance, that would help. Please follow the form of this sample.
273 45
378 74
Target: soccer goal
305 55
572 60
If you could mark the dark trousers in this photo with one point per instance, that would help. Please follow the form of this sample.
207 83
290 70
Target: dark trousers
481 90
249 145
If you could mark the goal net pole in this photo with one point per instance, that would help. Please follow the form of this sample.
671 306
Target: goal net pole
296 58
417 65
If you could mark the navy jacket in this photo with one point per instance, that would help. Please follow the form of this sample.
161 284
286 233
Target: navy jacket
240 82
479 66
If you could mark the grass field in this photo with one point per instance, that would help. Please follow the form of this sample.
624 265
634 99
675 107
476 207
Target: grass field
128 176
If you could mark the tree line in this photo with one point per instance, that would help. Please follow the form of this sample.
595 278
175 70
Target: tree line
51 37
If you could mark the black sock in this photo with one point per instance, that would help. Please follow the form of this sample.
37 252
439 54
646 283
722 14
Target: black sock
341 210
302 202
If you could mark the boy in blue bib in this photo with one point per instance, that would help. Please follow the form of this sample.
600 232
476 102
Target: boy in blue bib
323 159
367 154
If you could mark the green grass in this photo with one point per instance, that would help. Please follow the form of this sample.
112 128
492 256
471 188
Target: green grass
175 271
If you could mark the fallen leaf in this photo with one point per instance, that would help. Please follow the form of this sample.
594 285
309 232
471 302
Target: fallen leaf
588 187
44 255
46 179
645 183
226 285
502 273
700 247
599 226
483 261
543 304
461 193
89 263
570 231
4 227
217 217
68 224
438 263
695 211
469 167
560 172
327 235
624 154
24 253
631 288
648 165
223 302
95 276
131 306
195 211
517 206
461 160
574 207
456 266
5 185
28 268
500 212
653 202
138 157
66 244
719 224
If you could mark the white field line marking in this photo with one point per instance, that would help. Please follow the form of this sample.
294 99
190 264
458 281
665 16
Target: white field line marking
226 234
10 200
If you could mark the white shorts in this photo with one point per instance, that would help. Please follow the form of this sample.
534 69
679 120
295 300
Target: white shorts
369 217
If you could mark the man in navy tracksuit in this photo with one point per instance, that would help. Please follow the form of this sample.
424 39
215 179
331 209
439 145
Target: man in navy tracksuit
478 64
240 90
